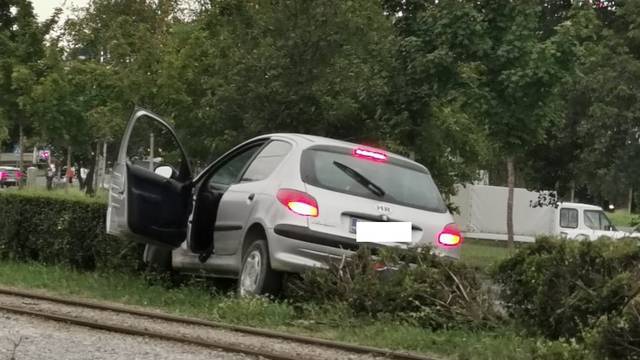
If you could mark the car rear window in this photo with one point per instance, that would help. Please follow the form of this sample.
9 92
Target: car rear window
401 183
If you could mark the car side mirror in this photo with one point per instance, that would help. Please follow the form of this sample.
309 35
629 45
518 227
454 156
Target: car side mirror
164 171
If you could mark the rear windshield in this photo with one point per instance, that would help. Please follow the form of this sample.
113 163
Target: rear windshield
401 184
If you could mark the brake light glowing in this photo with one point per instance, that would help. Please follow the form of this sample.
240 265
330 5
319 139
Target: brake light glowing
369 154
299 202
450 236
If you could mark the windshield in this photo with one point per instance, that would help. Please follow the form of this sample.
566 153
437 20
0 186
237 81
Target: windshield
393 183
597 220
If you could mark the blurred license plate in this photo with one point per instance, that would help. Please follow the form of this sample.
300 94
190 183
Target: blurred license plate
380 232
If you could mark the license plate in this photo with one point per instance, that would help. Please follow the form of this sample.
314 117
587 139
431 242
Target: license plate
352 226
382 232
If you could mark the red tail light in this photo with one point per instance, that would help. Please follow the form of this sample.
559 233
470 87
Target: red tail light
450 236
299 202
369 154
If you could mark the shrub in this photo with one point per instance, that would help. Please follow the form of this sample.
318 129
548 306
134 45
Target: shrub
561 350
557 288
55 230
417 288
617 336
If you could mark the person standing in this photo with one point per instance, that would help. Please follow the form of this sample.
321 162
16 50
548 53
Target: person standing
50 174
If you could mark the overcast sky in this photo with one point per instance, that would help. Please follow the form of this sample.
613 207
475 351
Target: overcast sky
44 8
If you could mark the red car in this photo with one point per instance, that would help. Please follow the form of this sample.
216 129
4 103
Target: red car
10 176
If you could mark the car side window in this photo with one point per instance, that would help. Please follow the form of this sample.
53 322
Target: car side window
152 144
266 161
230 171
569 218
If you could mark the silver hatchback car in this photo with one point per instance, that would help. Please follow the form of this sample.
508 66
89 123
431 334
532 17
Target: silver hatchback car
278 203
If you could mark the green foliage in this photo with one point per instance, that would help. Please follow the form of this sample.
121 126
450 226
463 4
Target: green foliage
416 288
617 336
562 350
557 288
332 321
61 230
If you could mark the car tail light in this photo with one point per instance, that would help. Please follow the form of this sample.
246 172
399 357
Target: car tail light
299 202
374 155
450 236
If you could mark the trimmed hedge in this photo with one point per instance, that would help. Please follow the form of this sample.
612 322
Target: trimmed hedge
559 288
617 336
421 289
52 229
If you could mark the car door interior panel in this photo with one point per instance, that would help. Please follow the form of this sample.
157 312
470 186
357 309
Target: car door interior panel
158 206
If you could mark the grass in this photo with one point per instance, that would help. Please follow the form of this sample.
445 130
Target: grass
330 322
484 253
623 218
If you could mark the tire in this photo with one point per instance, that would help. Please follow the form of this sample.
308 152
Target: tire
256 276
157 258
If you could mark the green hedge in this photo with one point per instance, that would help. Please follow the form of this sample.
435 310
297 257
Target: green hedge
54 229
559 288
421 289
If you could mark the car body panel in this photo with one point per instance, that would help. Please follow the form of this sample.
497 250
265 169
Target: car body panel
10 176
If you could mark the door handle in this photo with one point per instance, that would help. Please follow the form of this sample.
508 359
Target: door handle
251 196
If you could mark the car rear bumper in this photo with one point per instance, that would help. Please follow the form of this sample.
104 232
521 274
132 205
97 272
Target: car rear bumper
296 248
303 233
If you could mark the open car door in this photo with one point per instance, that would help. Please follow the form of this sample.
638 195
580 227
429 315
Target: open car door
149 196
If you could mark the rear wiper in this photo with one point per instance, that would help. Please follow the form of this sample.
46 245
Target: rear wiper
361 179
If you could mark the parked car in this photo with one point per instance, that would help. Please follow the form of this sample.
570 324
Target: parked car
10 176
278 203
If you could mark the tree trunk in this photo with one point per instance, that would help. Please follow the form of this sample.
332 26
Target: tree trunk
510 185
68 175
96 168
630 203
573 191
20 143
103 164
90 189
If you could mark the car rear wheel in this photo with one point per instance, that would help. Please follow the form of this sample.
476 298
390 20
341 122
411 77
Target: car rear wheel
256 275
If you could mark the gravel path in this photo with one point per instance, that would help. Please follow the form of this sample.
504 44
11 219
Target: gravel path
195 331
42 339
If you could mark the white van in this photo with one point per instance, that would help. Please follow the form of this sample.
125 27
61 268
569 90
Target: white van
482 214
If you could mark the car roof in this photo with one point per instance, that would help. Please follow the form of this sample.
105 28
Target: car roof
580 206
309 140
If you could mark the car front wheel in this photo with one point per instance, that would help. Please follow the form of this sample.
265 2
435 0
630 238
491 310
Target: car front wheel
256 276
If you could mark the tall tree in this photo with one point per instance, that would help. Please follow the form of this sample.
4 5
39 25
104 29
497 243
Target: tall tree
22 42
434 99
268 66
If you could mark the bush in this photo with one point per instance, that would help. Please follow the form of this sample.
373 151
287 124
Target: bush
417 288
55 230
561 350
558 288
617 336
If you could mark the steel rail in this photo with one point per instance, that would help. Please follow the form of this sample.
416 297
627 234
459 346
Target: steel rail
336 345
149 333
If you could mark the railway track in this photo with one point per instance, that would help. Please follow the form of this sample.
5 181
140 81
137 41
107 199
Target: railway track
266 335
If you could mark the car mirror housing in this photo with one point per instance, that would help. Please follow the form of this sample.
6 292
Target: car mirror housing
164 171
